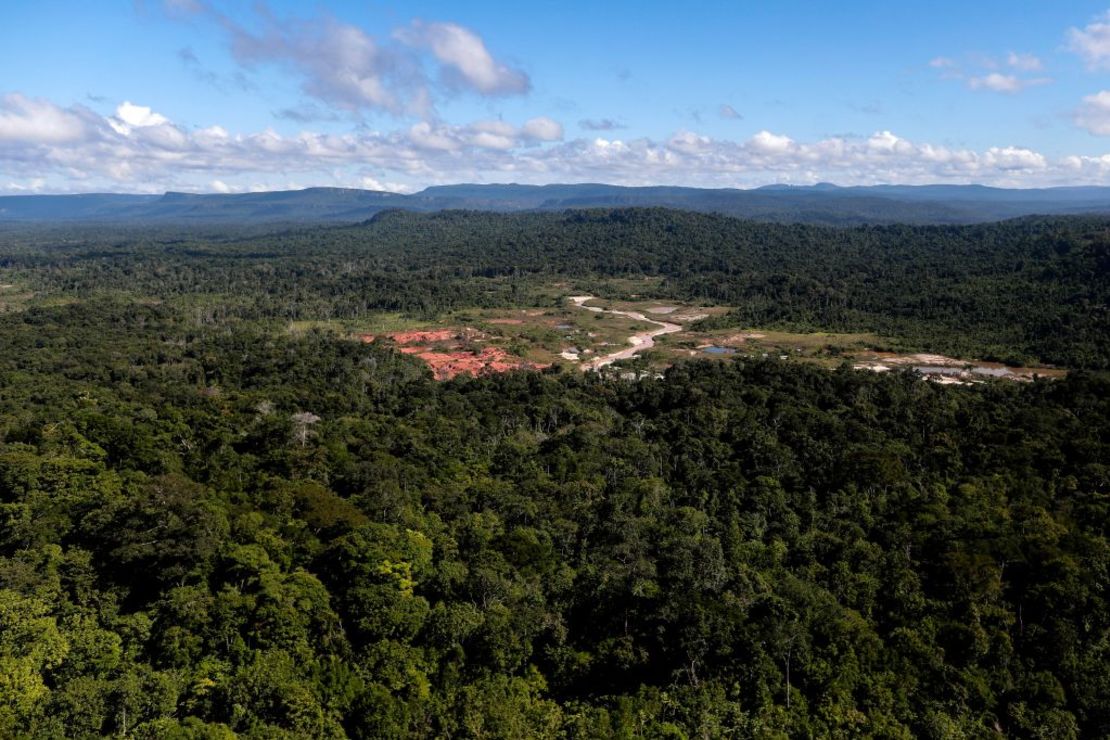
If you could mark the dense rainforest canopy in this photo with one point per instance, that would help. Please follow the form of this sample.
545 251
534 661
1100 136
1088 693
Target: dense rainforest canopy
211 527
1029 290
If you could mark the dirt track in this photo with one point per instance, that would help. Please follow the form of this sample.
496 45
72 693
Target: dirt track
639 342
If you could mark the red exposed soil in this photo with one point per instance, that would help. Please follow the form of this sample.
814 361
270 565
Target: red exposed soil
414 337
441 350
446 365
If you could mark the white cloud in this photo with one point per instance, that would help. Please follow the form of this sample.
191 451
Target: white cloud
139 115
768 143
36 121
163 136
1094 113
371 183
467 63
1092 42
425 137
348 68
1024 62
338 63
688 142
987 77
997 82
1014 158
34 185
83 151
542 129
141 122
212 133
489 135
884 142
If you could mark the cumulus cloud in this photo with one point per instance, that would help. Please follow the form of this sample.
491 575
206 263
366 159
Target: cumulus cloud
1094 113
339 63
37 121
1092 42
542 129
688 142
47 147
465 60
884 142
488 135
139 116
1014 158
344 66
423 136
765 142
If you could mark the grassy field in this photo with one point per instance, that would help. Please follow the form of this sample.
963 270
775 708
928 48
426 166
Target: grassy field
572 335
13 297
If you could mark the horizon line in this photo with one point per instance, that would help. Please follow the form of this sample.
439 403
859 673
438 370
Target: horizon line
768 186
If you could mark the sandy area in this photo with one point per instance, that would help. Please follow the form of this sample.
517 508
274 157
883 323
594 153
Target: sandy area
951 370
639 342
946 380
921 358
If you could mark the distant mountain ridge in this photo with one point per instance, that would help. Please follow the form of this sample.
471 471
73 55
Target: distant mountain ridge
822 203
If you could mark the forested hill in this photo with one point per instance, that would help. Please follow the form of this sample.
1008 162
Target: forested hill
219 520
210 532
824 204
1021 291
1017 290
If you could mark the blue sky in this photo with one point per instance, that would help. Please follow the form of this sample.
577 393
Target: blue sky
206 95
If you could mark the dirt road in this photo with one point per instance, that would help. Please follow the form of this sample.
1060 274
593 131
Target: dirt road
639 342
